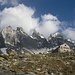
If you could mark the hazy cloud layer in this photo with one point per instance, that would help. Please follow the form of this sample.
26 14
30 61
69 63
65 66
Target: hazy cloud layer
70 33
11 2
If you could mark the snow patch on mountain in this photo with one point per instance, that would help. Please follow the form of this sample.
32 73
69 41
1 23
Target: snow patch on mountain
70 40
41 36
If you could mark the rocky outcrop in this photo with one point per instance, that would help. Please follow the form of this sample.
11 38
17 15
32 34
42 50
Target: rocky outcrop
10 37
18 38
2 44
25 40
40 39
58 39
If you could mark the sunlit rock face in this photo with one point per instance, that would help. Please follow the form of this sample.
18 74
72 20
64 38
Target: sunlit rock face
41 40
17 38
24 39
10 37
58 39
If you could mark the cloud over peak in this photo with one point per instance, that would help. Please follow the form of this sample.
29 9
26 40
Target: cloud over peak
49 24
49 17
69 33
23 16
19 16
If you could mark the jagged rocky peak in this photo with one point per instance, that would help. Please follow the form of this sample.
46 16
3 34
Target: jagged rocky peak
9 35
57 35
7 29
37 34
34 31
21 30
41 40
17 38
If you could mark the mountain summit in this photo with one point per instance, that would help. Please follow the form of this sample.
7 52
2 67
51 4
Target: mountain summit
20 39
36 34
10 36
17 38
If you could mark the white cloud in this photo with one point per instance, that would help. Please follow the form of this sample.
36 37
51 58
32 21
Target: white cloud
19 16
69 33
23 16
49 24
64 25
11 2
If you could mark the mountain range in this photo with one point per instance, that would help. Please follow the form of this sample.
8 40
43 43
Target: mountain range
10 38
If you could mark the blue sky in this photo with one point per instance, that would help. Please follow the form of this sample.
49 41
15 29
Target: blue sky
64 9
46 16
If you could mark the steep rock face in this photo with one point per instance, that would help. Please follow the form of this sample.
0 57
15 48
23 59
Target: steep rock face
56 39
70 42
10 37
25 40
36 35
2 44
40 39
17 38
59 39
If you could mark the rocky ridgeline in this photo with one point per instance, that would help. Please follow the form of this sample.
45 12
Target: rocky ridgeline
18 39
39 64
